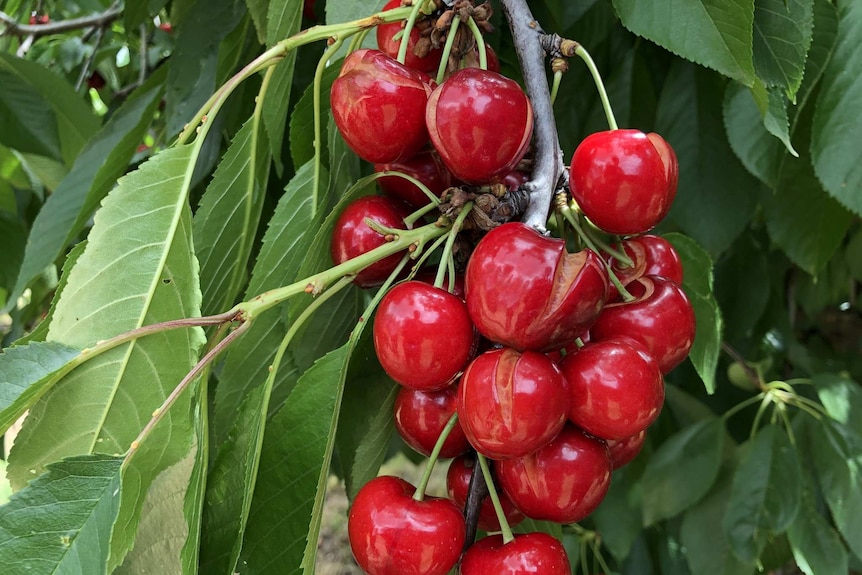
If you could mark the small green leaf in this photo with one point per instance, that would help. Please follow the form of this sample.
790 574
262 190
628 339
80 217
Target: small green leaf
766 493
842 398
258 10
714 33
61 523
817 547
782 36
755 147
682 470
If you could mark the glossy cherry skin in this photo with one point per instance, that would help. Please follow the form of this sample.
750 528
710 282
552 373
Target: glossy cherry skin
392 534
563 482
471 60
529 554
379 106
427 167
624 180
458 485
661 319
480 123
389 46
510 403
616 388
353 237
526 291
420 416
651 256
625 450
423 335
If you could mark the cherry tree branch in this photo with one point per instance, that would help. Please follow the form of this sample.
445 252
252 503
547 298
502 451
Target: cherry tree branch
547 164
101 19
476 492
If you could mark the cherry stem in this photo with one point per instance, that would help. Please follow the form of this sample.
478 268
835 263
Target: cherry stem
566 211
432 197
450 242
600 85
431 249
476 493
408 28
480 43
451 265
447 49
418 214
318 121
555 87
766 401
618 255
742 405
419 495
508 537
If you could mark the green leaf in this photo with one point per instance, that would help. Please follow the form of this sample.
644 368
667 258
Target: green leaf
26 372
782 36
14 236
302 118
744 265
105 158
61 523
838 118
817 547
226 221
711 179
714 33
135 271
698 285
775 118
766 493
619 518
258 10
755 147
338 11
682 470
27 123
842 398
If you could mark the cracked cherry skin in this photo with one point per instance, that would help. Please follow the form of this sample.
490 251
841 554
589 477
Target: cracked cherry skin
511 404
420 416
480 123
562 482
379 106
353 237
624 180
392 534
423 335
526 291
529 554
389 45
458 485
651 256
661 320
616 388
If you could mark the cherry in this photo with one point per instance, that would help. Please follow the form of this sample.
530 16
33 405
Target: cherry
353 237
389 45
393 534
528 554
624 180
308 10
427 167
651 256
526 291
423 335
458 484
661 319
379 106
481 123
624 450
96 80
616 388
420 416
429 275
510 404
471 60
563 482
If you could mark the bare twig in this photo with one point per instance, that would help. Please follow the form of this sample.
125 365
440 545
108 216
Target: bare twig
142 74
85 69
476 493
15 28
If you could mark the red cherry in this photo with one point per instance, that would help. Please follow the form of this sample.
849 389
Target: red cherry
528 554
390 46
624 450
429 275
615 386
166 27
423 335
624 180
96 80
353 237
427 167
526 291
481 123
392 534
471 60
308 9
651 256
563 482
458 485
661 319
420 416
379 106
510 404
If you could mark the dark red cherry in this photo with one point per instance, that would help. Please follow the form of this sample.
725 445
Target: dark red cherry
428 275
529 554
471 60
563 482
353 237
392 534
390 46
427 167
624 450
651 256
481 123
526 291
420 416
379 106
458 485
511 404
624 180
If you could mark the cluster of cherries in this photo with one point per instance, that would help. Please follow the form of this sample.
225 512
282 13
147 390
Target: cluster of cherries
536 360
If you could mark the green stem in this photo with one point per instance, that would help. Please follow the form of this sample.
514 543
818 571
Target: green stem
742 405
452 276
508 537
408 28
597 553
318 139
419 495
418 214
356 41
555 87
600 86
431 249
480 43
767 400
432 197
450 242
618 255
447 49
